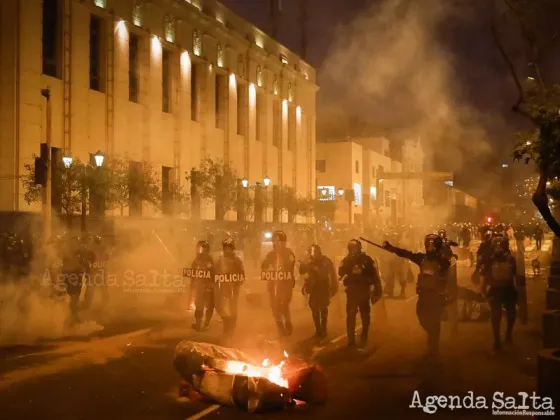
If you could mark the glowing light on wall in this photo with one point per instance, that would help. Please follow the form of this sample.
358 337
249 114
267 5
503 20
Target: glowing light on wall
220 18
220 56
185 63
169 28
252 95
326 192
290 92
100 3
373 192
137 12
298 114
156 46
275 85
259 41
196 3
197 44
259 76
284 109
357 194
232 81
121 29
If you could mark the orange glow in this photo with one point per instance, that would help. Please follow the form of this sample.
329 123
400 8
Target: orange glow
271 372
156 46
285 108
252 94
121 29
232 81
185 63
298 113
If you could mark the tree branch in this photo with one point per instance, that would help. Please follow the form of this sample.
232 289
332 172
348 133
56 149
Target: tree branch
540 199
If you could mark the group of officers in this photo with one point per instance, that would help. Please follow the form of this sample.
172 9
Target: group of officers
216 285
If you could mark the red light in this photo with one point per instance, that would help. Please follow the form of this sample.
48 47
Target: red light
489 219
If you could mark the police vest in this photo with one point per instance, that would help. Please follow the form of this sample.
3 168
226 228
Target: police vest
431 277
501 274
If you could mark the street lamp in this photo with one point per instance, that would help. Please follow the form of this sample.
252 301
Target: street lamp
99 158
341 192
245 183
324 192
266 181
67 161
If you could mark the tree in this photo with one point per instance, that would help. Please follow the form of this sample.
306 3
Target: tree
218 184
68 185
538 99
324 210
123 183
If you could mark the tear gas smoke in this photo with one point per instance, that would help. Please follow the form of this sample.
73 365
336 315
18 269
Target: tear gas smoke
394 59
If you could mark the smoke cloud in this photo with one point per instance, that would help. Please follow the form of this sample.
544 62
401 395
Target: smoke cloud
391 66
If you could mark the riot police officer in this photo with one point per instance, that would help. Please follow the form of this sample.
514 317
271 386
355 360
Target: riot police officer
203 286
446 245
76 261
359 275
278 270
230 275
14 257
431 286
96 279
320 284
499 286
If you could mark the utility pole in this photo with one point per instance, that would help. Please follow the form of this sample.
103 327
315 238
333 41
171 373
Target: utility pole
47 199
275 11
304 4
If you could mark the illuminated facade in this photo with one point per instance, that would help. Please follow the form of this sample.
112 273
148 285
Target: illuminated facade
169 82
359 164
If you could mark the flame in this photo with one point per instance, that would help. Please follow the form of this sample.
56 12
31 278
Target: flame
271 372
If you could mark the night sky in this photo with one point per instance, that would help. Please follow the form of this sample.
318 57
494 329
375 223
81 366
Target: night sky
456 43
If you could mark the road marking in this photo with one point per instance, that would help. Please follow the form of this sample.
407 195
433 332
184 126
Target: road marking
204 412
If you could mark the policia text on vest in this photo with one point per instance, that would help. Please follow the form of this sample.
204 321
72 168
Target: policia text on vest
277 276
218 278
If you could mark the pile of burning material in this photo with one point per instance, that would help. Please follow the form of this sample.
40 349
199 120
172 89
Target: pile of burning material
233 378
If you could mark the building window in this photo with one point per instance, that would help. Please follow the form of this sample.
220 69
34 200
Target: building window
241 109
259 76
96 54
166 195
100 3
194 91
276 123
137 12
291 129
52 38
133 79
357 167
197 43
220 56
259 115
321 166
170 28
166 81
357 194
220 102
275 85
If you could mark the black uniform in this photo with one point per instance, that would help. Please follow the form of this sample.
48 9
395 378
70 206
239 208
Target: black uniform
203 287
320 284
431 286
281 260
499 284
230 275
359 274
539 235
96 279
76 261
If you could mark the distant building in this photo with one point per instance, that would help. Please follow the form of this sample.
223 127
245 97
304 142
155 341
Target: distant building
169 82
359 164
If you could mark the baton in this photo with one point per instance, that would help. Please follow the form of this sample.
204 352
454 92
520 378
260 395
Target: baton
374 244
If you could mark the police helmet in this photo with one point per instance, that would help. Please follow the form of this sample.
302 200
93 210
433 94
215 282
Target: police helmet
433 243
314 251
442 234
354 246
202 247
279 235
500 245
488 235
228 243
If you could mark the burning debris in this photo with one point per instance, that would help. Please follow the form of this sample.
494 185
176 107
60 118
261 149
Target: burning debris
233 378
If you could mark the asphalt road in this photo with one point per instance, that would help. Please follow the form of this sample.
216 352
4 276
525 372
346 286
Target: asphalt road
130 375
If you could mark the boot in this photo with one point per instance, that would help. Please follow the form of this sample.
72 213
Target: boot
196 325
206 324
363 338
